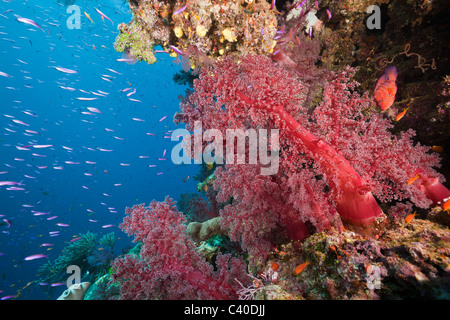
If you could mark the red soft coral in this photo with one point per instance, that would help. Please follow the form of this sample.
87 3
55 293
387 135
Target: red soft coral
169 266
332 159
363 137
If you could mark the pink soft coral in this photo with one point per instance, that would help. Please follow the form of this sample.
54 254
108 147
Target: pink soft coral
363 137
169 266
333 158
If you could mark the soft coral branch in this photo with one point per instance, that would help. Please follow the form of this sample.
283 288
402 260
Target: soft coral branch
169 266
355 204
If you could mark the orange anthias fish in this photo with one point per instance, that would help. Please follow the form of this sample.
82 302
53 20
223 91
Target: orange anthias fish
386 88
411 180
275 266
410 217
401 114
437 149
335 251
88 16
446 205
301 267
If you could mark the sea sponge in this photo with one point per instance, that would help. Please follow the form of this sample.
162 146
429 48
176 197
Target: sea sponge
229 34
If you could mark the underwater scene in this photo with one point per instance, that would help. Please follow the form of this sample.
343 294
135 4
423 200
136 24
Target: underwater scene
224 150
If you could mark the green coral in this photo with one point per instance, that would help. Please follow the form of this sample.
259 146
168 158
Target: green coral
103 289
76 253
133 40
108 239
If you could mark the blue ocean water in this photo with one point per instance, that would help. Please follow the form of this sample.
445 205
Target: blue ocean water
97 164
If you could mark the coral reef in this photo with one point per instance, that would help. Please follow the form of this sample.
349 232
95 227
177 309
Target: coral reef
196 208
134 41
203 231
335 219
412 37
91 255
408 261
350 149
103 289
214 28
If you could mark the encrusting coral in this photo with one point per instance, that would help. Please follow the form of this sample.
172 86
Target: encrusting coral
215 28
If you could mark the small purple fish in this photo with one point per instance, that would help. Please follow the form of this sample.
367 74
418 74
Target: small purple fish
15 189
113 71
132 92
65 70
86 99
177 50
8 222
103 15
62 224
8 183
35 256
94 110
124 60
180 10
40 146
40 213
56 284
29 21
20 122
4 74
301 4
